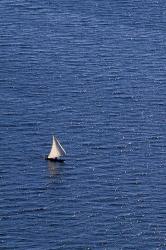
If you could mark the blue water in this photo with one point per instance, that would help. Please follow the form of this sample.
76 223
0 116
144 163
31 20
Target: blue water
92 73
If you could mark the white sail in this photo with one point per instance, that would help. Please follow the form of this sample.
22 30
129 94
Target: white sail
57 150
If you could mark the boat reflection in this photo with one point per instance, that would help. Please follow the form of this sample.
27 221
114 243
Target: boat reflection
53 168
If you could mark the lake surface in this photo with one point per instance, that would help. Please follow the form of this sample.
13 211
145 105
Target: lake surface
93 73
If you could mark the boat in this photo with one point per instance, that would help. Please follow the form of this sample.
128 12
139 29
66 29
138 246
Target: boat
56 151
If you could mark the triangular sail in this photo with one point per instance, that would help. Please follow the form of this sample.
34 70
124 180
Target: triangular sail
57 150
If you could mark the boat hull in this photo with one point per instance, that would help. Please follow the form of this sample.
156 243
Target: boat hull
54 159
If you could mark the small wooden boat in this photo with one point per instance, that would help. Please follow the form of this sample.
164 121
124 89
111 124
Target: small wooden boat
56 151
